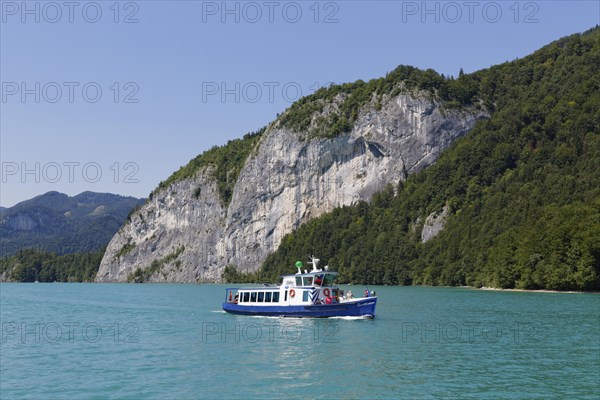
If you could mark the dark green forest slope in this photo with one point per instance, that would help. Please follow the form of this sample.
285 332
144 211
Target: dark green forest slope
34 265
522 190
57 223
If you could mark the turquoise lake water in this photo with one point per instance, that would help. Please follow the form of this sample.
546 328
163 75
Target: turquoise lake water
104 341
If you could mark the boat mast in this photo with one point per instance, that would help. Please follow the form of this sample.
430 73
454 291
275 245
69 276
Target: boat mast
315 262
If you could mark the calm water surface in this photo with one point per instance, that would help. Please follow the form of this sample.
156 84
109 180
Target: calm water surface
103 341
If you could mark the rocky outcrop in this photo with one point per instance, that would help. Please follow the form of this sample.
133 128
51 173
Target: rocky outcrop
434 223
183 233
188 214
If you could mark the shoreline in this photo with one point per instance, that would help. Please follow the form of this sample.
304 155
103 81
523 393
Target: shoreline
528 290
483 288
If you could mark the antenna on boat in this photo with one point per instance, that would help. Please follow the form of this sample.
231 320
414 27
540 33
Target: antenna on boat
299 266
315 262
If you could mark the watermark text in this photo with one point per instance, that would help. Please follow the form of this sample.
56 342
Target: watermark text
453 12
253 12
68 332
468 332
253 332
254 92
53 12
68 171
69 92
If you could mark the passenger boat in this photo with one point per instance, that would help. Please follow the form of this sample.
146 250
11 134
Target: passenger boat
304 294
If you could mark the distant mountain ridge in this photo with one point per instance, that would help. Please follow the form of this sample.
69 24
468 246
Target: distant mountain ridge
58 223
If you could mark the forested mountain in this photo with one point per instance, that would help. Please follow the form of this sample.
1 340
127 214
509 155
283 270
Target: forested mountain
61 224
518 197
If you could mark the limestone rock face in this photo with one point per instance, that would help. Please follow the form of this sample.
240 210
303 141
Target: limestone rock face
172 219
184 233
434 223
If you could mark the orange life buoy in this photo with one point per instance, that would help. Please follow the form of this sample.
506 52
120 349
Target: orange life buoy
292 293
326 292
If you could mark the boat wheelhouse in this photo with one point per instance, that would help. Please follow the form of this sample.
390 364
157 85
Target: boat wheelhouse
304 294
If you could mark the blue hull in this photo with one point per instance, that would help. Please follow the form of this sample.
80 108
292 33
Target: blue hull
358 308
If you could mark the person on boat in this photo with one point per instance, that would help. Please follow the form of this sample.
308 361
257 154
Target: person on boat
366 292
236 298
349 295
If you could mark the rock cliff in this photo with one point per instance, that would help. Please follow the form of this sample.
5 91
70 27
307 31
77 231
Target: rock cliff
185 232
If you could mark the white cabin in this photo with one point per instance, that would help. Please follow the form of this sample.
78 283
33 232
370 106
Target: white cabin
302 288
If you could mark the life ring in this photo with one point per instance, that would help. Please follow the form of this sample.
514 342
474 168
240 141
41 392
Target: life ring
292 293
326 292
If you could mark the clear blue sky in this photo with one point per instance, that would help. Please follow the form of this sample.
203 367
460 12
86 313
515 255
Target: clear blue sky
175 57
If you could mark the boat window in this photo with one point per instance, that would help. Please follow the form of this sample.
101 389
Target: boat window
268 297
261 297
253 297
246 297
328 280
318 280
305 295
285 296
298 281
276 297
308 281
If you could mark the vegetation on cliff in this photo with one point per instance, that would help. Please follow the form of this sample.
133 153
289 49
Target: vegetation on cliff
226 162
307 114
141 275
523 188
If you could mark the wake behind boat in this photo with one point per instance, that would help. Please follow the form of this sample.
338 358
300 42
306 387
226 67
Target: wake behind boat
308 294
